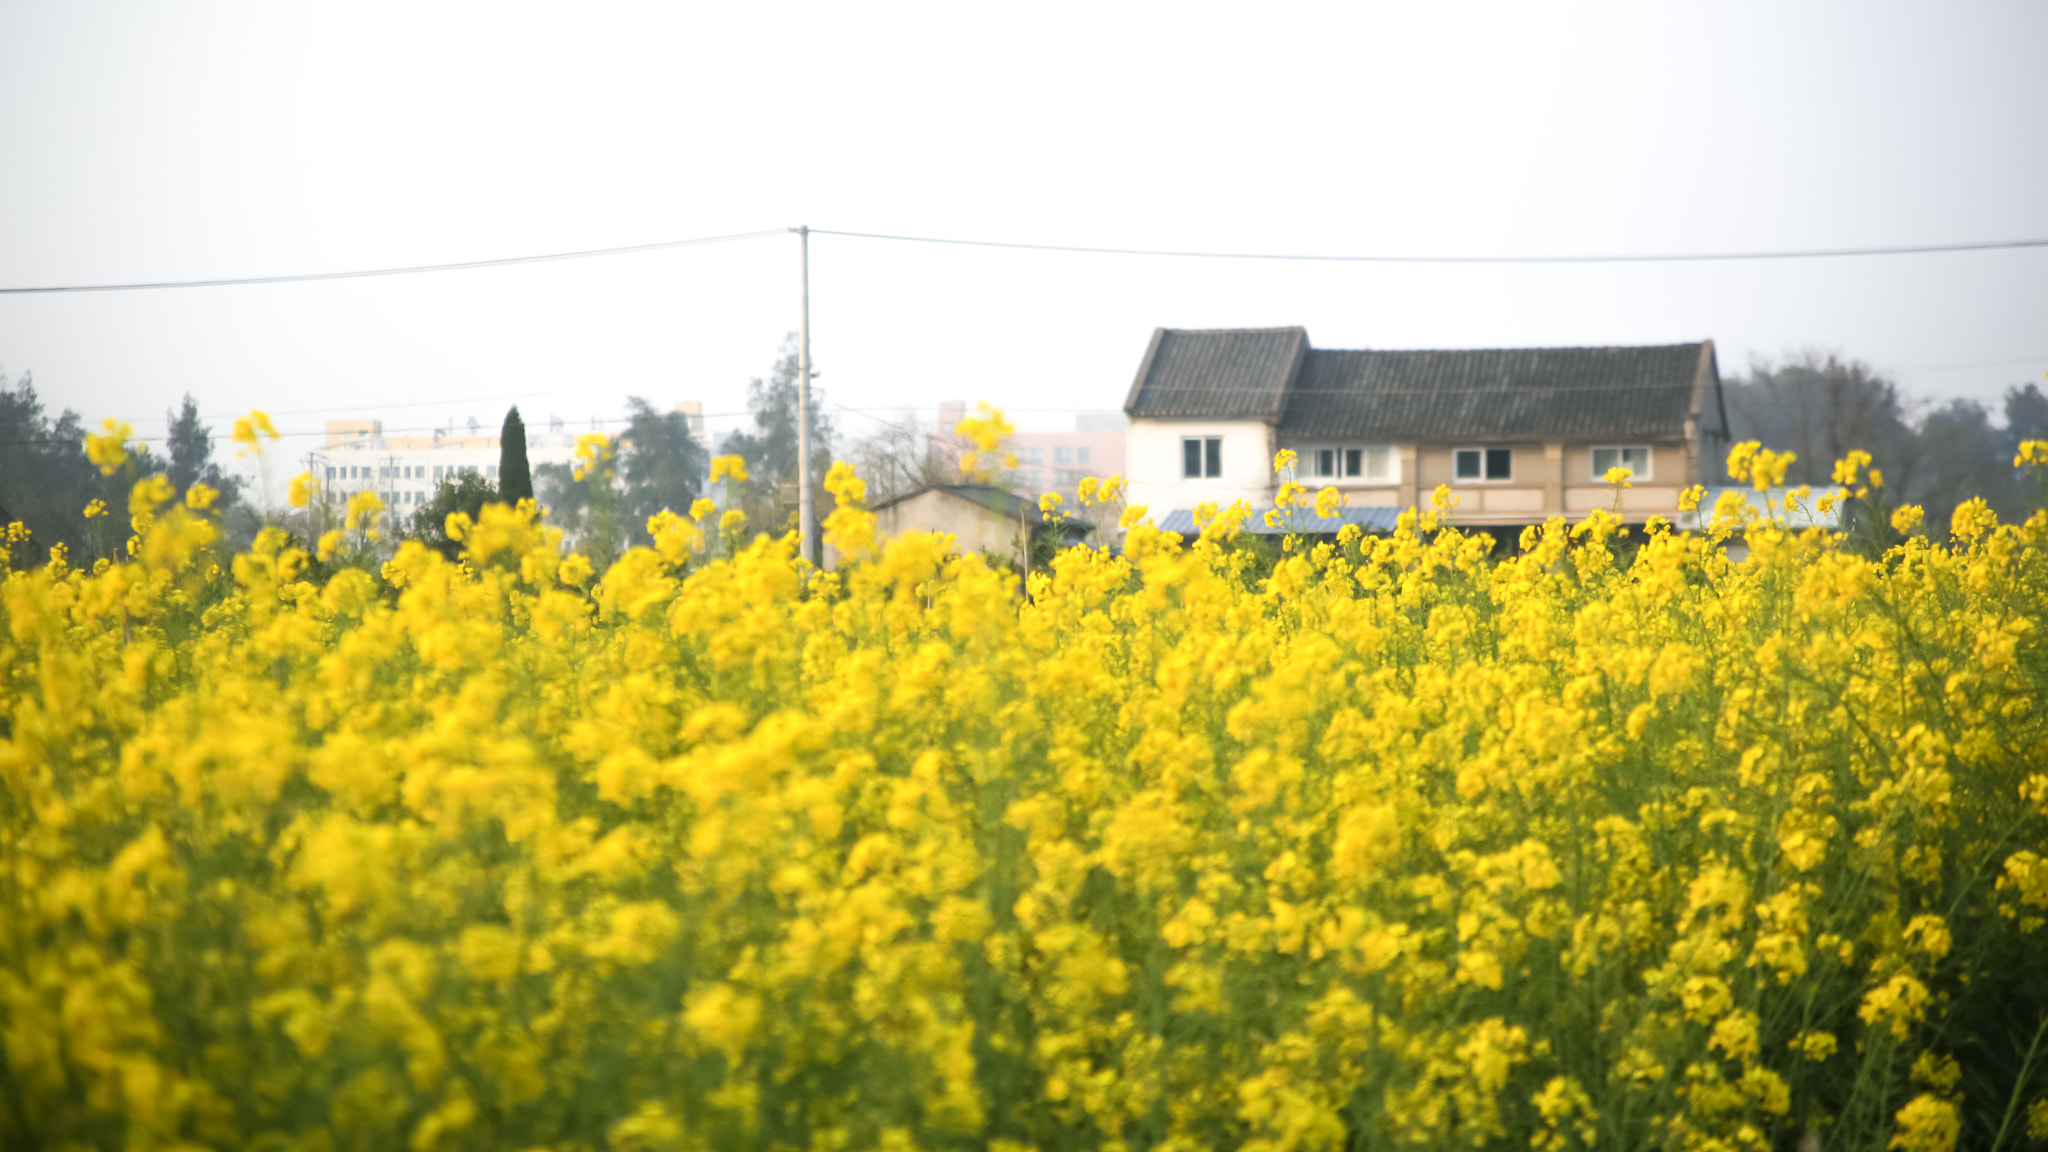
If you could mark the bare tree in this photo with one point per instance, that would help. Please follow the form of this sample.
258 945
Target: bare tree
905 456
1822 407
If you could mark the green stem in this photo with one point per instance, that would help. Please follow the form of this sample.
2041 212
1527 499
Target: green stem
2019 1085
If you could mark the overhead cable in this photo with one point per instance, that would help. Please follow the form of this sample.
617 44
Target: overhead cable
404 271
1191 254
1655 258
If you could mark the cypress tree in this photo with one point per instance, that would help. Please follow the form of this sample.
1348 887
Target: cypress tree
515 478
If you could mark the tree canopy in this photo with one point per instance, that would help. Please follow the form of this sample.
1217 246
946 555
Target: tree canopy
515 477
770 446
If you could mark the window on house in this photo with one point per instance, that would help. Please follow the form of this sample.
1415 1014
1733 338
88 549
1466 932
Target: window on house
494 471
1034 455
1374 462
1081 454
330 472
1634 457
1478 464
1063 454
1201 457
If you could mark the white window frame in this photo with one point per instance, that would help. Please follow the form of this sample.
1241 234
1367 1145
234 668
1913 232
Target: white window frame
1206 455
1306 461
1482 478
1599 474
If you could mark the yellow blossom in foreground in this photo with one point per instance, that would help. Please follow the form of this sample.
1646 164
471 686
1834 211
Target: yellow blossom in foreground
1593 838
109 449
249 431
728 468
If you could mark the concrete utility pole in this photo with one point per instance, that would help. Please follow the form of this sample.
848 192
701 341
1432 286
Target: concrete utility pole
806 525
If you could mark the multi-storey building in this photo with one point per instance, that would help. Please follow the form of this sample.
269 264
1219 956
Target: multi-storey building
1056 461
405 470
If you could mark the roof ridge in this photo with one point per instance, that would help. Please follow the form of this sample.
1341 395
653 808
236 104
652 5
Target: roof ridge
1536 348
1234 331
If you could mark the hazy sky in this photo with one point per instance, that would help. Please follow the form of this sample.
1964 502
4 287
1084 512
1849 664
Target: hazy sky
191 140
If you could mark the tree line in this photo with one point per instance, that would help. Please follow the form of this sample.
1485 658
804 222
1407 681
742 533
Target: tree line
1822 406
49 484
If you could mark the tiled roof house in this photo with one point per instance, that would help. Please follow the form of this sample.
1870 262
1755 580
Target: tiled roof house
1520 434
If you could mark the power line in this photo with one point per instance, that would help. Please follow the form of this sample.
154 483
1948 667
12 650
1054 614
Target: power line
1657 258
1191 254
403 271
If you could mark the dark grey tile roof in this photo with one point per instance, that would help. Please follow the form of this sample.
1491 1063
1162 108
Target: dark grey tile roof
1480 394
1229 374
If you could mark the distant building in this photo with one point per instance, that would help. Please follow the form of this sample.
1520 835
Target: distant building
1518 434
982 517
1055 461
693 412
405 470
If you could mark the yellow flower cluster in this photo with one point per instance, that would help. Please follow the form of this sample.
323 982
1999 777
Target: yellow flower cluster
249 431
1388 843
987 430
594 453
732 468
108 449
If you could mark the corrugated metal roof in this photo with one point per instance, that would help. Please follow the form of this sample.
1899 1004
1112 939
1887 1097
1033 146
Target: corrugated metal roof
1776 505
1305 520
1479 394
1232 374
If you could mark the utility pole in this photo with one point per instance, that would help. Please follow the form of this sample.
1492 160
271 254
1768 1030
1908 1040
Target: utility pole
806 525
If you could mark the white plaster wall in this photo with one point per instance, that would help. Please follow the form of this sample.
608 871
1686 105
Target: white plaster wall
1152 464
976 527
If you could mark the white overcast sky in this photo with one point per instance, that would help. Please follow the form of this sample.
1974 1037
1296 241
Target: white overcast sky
191 140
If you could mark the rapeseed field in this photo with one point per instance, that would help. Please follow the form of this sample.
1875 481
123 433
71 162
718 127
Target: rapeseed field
1386 843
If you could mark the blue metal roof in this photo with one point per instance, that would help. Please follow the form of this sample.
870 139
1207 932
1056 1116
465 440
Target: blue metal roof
1303 521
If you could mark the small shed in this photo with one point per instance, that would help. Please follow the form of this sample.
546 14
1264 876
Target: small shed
983 517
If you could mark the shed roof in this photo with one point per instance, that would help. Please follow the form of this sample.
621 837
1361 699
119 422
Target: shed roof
1494 393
